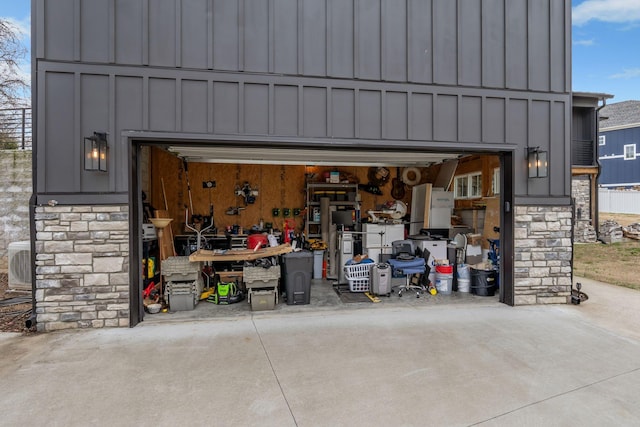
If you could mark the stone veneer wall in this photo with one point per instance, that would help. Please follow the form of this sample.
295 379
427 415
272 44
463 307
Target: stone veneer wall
82 267
15 191
583 232
543 254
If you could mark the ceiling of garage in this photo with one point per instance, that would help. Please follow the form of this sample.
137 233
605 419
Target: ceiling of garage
309 157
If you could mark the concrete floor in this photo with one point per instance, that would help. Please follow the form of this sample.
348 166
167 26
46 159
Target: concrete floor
323 298
409 364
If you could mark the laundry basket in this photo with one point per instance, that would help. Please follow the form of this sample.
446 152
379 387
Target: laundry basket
358 276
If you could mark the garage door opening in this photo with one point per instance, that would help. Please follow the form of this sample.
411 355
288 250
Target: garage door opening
342 207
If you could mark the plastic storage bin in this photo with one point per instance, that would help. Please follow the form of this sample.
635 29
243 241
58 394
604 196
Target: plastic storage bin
180 269
183 296
263 300
182 302
297 269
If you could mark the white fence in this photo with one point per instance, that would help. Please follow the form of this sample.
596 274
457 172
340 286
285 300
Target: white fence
619 201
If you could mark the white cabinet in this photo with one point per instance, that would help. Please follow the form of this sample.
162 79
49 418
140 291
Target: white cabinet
378 238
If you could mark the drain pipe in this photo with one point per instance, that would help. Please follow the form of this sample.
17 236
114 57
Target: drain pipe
31 321
596 216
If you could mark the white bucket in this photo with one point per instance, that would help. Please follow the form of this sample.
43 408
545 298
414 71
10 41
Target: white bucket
463 271
444 283
464 285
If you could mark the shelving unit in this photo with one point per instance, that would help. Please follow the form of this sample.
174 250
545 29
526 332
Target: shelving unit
341 197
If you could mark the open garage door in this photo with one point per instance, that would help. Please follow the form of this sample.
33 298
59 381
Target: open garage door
199 180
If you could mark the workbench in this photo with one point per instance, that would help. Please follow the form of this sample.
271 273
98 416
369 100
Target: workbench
231 255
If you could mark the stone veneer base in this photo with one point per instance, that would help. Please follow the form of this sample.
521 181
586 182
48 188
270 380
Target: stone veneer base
82 267
543 254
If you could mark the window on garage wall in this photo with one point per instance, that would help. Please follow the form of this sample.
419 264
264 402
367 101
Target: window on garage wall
495 182
630 152
468 186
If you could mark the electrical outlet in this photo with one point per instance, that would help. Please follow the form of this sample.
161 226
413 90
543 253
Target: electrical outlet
208 184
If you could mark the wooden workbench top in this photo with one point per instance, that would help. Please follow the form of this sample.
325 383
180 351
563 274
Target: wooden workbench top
239 254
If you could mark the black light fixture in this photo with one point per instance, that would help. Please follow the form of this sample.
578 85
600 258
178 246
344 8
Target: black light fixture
538 162
96 152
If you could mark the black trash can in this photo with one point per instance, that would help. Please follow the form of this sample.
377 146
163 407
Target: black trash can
297 269
483 282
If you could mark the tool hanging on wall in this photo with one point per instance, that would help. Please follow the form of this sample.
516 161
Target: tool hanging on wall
397 190
166 214
234 210
186 174
245 191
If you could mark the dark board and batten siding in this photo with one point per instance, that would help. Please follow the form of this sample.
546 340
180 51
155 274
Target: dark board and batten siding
446 74
501 44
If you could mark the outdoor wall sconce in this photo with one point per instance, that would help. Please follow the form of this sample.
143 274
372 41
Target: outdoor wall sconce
537 162
96 152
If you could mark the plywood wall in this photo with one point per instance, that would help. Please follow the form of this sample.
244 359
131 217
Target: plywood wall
279 186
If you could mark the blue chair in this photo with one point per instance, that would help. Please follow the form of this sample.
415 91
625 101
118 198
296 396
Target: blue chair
405 263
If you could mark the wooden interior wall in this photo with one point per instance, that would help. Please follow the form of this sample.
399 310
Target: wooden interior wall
477 163
279 186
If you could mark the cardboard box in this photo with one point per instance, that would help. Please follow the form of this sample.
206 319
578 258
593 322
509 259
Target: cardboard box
474 250
473 259
474 239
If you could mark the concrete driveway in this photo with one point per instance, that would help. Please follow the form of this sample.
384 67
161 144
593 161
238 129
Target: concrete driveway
461 365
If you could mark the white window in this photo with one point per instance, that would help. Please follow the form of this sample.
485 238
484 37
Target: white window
602 140
495 182
461 187
468 186
630 152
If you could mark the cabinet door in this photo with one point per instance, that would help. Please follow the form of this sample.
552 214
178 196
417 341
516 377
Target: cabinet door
392 233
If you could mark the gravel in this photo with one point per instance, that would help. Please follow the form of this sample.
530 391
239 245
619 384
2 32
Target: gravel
15 308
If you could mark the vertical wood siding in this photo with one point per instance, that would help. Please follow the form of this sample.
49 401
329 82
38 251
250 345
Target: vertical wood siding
441 73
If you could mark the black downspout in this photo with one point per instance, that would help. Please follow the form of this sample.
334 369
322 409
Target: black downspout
596 217
31 321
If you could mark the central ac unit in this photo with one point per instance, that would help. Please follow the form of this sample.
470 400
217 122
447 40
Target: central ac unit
20 265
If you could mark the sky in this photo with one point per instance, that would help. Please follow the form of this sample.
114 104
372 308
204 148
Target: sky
605 45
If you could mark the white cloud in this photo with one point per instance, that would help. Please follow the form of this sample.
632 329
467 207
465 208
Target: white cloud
629 73
589 42
617 11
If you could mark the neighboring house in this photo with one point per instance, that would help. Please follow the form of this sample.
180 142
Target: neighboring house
326 81
619 145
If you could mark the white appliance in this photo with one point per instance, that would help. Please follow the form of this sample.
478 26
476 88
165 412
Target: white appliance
345 252
20 265
377 239
430 208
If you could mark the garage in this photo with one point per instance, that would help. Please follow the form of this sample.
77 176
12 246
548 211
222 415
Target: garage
347 204
258 106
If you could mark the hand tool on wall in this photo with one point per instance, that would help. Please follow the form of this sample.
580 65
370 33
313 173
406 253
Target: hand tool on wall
397 191
186 174
165 214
